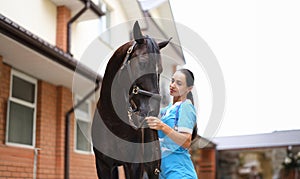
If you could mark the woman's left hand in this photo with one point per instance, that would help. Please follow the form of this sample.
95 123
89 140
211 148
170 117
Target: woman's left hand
154 123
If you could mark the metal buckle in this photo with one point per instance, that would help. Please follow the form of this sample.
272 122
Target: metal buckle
131 48
135 90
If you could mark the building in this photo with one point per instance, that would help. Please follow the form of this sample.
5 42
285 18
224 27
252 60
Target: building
236 155
45 71
204 155
273 155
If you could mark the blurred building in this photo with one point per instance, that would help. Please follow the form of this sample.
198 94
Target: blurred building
273 155
204 155
265 152
46 68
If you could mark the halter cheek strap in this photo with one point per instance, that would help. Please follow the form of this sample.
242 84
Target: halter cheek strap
127 57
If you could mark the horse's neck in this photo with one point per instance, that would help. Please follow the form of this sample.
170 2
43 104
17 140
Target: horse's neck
113 96
114 91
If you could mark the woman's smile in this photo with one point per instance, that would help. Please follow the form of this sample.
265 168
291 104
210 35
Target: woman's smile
172 90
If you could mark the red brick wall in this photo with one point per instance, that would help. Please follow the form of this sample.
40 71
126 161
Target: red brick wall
63 16
46 130
4 93
14 161
52 104
205 164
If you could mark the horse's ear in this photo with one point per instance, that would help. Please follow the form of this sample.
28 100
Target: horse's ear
164 43
137 34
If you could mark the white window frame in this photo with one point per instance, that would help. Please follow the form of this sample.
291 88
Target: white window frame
105 21
85 118
24 103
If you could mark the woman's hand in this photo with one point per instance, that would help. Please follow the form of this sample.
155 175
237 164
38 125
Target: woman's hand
182 139
154 123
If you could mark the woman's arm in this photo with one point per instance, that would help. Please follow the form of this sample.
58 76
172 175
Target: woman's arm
180 138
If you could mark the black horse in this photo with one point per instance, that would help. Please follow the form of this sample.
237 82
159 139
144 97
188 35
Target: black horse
129 93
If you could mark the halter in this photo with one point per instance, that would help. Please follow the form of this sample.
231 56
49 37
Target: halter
128 54
136 90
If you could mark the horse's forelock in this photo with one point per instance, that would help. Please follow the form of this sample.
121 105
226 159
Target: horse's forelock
154 51
152 46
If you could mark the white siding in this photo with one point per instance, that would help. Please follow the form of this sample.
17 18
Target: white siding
37 16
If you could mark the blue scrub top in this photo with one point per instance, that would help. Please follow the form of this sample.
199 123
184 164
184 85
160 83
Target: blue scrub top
176 162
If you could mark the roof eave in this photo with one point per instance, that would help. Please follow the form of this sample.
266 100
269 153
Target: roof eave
25 37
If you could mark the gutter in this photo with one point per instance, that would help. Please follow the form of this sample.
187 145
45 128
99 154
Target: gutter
25 37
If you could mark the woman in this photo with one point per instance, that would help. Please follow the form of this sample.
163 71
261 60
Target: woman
175 128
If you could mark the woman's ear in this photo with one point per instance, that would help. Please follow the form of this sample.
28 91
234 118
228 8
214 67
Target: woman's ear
190 88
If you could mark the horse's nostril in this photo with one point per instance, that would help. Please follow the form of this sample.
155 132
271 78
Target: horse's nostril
143 114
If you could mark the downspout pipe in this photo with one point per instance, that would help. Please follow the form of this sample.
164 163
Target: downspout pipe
87 5
69 26
94 8
67 130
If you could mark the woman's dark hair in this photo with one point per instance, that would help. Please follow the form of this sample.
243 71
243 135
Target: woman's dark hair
189 76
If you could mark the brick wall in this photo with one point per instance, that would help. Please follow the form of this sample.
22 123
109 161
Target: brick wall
14 161
4 88
205 162
63 16
46 130
52 104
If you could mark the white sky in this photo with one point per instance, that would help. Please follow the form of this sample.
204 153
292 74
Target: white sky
257 44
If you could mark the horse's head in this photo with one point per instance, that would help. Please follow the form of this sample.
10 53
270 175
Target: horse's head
143 65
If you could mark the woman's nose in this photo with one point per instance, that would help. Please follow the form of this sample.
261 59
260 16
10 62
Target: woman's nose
172 84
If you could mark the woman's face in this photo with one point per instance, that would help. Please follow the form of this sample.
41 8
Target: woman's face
178 86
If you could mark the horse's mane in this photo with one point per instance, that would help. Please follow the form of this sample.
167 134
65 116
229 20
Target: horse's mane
115 63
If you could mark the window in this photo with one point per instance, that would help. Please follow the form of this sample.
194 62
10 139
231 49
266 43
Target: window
83 127
105 22
21 110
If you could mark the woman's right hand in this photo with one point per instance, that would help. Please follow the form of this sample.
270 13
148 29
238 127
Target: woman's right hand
182 139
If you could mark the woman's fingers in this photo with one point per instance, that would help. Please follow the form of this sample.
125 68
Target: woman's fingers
153 122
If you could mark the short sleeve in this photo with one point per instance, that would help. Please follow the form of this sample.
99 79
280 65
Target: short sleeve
186 117
164 110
